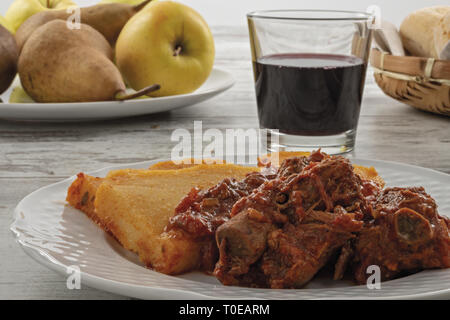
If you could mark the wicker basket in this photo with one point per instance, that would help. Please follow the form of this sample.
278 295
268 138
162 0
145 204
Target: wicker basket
419 82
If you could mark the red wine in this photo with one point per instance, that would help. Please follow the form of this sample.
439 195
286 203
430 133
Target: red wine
309 94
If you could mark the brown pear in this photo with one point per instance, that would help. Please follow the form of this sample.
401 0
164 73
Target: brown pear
108 19
8 59
59 64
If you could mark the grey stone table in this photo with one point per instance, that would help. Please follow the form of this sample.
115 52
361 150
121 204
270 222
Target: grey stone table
33 155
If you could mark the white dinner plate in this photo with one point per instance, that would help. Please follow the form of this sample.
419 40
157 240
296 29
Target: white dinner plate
59 236
219 81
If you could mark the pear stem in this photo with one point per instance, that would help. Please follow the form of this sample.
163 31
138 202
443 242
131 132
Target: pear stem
122 96
177 50
141 5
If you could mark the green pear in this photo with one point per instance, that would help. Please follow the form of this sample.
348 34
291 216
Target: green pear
108 19
8 59
59 64
21 10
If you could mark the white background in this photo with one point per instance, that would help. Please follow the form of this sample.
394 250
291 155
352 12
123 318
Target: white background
226 12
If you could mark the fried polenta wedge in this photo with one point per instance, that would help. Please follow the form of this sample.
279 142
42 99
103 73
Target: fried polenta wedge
135 206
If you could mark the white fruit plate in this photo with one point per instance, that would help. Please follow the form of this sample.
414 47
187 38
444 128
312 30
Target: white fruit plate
218 82
59 236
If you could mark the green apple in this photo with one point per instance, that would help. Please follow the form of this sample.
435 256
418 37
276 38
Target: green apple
21 10
166 43
132 2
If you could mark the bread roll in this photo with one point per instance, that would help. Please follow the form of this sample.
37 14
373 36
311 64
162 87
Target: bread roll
442 37
425 31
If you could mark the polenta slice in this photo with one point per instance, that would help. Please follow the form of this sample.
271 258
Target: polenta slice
135 205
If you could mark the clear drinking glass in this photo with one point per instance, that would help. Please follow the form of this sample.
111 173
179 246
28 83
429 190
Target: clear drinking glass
309 69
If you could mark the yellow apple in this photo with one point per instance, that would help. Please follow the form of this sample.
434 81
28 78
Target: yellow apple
166 43
21 10
132 2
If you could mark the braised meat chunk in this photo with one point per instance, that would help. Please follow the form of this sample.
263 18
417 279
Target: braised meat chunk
295 254
295 165
288 228
406 235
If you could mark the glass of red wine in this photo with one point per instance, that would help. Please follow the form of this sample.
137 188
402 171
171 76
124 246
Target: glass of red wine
309 69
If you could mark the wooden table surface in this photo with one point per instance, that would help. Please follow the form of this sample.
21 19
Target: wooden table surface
33 155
